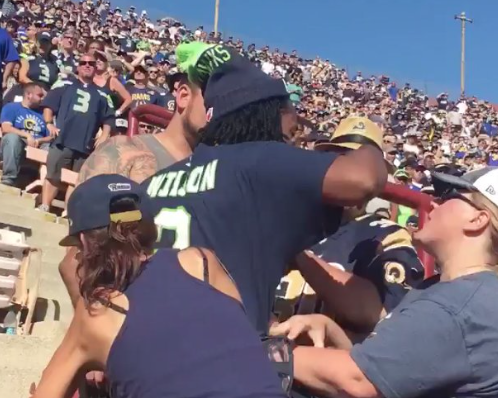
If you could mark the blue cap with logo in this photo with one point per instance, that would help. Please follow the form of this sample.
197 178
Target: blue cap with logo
89 207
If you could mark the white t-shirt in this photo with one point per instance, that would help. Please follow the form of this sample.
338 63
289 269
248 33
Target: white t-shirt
267 67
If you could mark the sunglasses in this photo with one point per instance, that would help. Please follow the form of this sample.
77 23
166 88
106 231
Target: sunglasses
454 194
89 63
145 126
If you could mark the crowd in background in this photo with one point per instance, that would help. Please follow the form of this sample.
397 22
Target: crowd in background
137 54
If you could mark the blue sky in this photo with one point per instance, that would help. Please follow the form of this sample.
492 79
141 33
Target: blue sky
415 41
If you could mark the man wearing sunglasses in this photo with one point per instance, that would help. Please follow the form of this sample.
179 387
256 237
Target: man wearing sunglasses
81 110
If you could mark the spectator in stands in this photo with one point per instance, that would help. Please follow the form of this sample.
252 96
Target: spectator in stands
455 310
67 59
22 124
81 110
8 57
134 305
141 94
113 88
41 66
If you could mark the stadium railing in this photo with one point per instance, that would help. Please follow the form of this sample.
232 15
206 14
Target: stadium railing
418 201
150 114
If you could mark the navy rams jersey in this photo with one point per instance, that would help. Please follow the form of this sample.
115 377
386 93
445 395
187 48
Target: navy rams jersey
43 70
143 96
378 250
80 109
256 205
167 100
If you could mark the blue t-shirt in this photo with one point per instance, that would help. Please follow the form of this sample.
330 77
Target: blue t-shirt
441 342
22 118
256 205
8 51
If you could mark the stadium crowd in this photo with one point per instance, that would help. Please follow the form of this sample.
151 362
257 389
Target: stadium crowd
136 61
72 73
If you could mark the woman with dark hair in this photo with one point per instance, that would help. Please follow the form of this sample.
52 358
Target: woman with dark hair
113 88
40 67
169 324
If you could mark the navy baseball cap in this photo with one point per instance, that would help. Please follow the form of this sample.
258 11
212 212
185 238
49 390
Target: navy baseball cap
89 206
236 83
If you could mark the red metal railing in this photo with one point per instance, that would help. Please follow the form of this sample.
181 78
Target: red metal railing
416 200
150 114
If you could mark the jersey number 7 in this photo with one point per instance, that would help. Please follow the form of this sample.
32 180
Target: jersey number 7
178 221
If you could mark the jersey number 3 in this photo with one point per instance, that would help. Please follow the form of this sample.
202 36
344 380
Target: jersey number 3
82 101
44 73
178 221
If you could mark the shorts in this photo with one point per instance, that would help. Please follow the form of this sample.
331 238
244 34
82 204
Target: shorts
60 157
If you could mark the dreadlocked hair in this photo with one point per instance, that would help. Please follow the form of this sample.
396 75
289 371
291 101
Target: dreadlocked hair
259 121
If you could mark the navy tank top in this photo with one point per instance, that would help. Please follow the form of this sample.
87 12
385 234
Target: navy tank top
183 338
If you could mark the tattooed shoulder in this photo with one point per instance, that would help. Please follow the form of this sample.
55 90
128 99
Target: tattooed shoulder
115 156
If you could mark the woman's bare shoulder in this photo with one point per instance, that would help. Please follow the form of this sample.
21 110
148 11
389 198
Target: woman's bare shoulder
99 320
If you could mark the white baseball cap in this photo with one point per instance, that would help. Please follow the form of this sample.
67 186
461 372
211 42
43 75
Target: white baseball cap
484 181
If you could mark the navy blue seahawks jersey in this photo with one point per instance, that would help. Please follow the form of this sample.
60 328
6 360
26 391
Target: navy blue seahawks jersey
127 44
378 250
256 205
143 96
67 64
80 109
43 71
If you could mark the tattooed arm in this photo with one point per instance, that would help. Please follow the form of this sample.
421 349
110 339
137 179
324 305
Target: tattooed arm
120 155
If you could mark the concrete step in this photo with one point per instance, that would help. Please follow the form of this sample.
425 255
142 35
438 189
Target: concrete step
23 360
32 220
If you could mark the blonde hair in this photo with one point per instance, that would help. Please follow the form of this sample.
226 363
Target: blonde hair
484 203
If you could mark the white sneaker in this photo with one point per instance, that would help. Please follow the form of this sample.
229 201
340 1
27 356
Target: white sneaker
44 208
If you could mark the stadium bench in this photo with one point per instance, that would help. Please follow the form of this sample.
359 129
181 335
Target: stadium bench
20 268
38 156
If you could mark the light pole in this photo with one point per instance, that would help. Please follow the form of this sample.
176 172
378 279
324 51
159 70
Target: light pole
464 21
216 14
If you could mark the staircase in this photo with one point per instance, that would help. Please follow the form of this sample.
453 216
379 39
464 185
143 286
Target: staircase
23 358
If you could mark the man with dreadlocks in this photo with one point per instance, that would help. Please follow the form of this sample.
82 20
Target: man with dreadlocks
244 193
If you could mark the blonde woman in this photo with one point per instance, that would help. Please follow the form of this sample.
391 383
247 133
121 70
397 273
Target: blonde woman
442 340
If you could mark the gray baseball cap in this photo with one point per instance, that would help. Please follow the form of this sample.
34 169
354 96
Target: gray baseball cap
484 181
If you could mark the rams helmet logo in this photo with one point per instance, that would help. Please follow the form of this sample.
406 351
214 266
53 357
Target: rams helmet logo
115 187
359 126
394 273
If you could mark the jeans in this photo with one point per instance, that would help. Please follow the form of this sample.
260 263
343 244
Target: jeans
12 155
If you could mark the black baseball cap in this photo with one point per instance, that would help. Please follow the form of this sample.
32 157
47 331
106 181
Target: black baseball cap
89 207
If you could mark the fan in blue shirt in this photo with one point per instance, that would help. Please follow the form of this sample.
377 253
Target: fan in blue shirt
22 124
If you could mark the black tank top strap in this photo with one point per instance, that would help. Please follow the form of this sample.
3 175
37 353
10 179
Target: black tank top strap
112 306
107 84
205 265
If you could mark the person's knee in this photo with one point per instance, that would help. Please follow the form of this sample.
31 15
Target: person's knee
12 142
